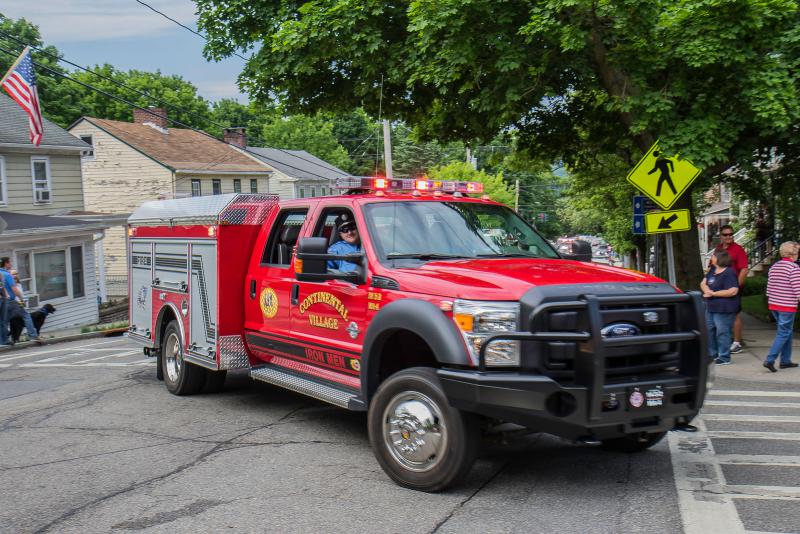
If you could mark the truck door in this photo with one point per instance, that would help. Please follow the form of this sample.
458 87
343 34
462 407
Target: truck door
269 286
328 319
141 281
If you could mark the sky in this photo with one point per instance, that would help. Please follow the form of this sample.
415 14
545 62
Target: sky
127 35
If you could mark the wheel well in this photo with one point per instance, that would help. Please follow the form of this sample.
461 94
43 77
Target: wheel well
166 317
401 350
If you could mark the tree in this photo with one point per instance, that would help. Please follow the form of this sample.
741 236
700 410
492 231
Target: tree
715 81
311 134
230 114
493 185
60 98
183 103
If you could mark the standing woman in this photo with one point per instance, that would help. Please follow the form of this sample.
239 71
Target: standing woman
721 291
783 292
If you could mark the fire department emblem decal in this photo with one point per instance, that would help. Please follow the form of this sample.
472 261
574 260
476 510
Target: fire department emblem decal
269 303
141 297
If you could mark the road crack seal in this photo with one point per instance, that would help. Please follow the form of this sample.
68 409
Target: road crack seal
460 505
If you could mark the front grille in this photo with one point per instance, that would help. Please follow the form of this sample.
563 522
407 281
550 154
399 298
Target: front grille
666 328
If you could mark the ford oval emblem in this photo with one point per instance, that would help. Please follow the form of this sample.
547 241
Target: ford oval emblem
620 330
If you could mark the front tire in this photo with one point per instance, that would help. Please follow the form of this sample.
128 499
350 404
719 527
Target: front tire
419 440
180 377
633 443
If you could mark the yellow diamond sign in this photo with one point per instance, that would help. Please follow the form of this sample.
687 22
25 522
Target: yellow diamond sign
663 179
661 222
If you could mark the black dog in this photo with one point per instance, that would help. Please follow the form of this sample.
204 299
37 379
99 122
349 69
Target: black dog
17 322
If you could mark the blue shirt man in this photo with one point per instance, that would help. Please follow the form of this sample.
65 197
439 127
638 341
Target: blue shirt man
6 294
350 244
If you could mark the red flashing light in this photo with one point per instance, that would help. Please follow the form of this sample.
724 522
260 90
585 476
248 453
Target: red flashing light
421 185
381 183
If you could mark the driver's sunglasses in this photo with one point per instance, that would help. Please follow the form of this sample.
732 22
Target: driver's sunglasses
726 235
348 230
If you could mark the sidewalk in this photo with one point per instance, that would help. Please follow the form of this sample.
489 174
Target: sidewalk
758 337
60 336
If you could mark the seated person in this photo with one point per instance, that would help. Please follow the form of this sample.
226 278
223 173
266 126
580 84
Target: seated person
350 244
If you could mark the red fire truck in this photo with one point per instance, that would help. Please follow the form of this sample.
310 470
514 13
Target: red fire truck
448 314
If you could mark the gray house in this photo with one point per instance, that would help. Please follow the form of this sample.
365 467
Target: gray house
55 255
300 174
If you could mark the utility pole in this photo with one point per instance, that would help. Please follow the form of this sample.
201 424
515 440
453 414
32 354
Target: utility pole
387 148
516 196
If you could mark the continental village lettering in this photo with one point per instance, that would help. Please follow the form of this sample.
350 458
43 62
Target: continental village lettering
323 297
330 323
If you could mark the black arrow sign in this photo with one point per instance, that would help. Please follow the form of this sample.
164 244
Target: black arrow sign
666 222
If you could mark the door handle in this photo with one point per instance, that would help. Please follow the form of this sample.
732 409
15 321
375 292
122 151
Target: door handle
252 289
295 293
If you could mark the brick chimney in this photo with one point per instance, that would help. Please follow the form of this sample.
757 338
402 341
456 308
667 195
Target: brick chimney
235 136
156 116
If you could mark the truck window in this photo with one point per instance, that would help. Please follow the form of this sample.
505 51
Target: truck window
326 227
411 231
283 238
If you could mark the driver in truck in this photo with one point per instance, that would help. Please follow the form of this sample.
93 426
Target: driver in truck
350 243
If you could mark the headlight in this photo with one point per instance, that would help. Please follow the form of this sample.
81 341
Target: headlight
477 320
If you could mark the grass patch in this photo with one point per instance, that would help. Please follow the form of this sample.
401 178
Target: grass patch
104 327
756 305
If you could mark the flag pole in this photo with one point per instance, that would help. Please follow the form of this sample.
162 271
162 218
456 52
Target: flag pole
14 65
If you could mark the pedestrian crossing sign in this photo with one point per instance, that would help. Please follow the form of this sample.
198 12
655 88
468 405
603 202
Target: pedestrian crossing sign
663 179
661 222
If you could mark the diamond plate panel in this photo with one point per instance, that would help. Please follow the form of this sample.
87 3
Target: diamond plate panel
232 354
248 209
301 385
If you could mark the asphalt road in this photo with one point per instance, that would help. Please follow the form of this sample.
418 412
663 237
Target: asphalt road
92 442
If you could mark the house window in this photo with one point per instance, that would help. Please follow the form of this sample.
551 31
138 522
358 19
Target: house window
51 274
301 192
216 186
196 190
88 154
3 181
313 191
237 185
253 185
24 270
40 170
76 265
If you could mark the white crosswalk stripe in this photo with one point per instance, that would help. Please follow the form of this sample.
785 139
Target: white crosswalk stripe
707 500
115 353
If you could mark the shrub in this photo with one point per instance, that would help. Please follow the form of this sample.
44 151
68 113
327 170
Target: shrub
754 285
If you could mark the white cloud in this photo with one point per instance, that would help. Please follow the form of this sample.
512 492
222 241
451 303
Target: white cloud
92 20
219 89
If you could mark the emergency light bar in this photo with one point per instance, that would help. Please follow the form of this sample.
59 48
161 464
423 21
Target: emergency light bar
366 183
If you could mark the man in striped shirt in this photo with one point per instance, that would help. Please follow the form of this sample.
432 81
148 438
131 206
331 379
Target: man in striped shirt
783 292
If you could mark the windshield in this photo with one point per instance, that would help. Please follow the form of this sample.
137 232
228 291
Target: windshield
423 231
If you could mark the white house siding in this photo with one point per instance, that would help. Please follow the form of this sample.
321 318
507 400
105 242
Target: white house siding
283 186
118 180
66 189
183 183
69 312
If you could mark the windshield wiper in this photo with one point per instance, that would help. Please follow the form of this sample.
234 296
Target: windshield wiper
507 255
423 256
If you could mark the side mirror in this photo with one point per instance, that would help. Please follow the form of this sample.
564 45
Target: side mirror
581 251
311 262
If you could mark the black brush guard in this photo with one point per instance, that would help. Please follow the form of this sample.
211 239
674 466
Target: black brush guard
538 401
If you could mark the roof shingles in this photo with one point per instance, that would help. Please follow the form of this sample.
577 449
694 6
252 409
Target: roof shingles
181 149
14 128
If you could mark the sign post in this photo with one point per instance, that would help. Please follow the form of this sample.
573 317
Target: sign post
664 180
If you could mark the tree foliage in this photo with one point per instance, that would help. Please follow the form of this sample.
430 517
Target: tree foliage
714 81
312 134
493 185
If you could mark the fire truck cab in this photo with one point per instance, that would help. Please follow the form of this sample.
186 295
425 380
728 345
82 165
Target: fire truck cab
444 312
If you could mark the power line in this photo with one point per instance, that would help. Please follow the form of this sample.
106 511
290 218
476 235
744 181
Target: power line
197 33
115 82
174 121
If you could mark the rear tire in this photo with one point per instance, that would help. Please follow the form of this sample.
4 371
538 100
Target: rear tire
215 381
180 377
633 443
419 440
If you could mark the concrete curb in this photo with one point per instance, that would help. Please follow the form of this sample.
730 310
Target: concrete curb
63 339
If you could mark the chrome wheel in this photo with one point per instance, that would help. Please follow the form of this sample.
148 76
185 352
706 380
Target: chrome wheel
174 359
414 431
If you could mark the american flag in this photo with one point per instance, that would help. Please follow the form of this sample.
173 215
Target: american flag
20 83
